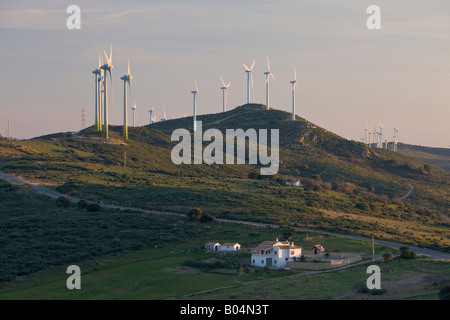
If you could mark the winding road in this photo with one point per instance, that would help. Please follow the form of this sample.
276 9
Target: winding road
434 254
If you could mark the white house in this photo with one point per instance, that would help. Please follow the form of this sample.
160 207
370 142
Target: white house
274 254
212 246
230 247
294 183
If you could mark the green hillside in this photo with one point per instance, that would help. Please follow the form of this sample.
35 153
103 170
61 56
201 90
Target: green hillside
349 187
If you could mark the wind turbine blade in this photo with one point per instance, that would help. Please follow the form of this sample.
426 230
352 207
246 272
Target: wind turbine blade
248 69
106 56
295 73
110 55
251 77
229 83
128 66
99 61
268 63
273 77
253 64
196 87
223 82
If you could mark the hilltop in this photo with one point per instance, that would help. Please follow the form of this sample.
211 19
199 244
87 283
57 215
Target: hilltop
348 187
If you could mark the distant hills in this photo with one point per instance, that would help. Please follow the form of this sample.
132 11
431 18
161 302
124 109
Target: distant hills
439 157
348 187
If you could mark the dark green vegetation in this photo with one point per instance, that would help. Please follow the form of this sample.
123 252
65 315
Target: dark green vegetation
349 187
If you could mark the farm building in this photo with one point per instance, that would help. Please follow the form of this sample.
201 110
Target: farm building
226 247
317 249
212 246
274 253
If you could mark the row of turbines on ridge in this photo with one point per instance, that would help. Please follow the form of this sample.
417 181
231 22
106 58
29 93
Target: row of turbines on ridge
101 95
375 139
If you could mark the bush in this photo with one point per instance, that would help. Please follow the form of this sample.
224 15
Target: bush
63 202
206 217
387 257
195 214
312 204
82 204
363 206
405 253
93 207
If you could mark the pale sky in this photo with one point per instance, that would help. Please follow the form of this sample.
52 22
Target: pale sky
349 76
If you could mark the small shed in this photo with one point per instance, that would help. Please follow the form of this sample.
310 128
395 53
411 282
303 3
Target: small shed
212 246
317 249
230 246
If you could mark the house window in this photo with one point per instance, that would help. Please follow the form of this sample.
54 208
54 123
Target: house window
262 261
275 252
253 261
275 262
286 259
262 252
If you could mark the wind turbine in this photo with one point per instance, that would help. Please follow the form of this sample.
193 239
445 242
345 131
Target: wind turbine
126 78
224 94
134 111
97 72
195 92
151 116
268 75
294 85
106 67
249 77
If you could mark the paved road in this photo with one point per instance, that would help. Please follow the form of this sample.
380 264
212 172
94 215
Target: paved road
54 194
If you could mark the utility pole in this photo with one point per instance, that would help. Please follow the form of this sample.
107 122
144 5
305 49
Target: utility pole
9 130
373 250
83 120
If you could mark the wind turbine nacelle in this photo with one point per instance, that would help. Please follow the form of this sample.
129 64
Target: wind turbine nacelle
107 67
96 71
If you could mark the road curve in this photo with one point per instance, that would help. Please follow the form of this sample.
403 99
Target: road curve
434 254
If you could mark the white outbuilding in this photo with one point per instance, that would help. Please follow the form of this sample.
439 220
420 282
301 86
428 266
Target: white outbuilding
274 254
230 247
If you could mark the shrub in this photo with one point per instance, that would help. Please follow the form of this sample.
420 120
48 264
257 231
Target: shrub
363 206
82 204
195 214
63 202
387 257
405 253
206 217
346 187
312 204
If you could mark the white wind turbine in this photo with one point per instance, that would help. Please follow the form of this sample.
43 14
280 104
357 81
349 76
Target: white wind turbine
294 85
268 75
152 118
224 94
126 78
98 75
249 78
134 113
195 92
106 67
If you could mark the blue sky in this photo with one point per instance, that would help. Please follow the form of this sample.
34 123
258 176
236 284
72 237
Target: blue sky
349 76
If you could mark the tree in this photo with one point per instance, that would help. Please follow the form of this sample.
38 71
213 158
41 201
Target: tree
93 207
363 206
195 214
405 253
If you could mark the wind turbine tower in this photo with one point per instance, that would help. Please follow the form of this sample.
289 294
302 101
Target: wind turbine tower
151 116
194 93
365 135
134 113
370 146
126 79
294 85
268 75
249 78
380 143
106 67
224 94
98 74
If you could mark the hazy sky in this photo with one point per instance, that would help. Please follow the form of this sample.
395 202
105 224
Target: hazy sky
349 76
